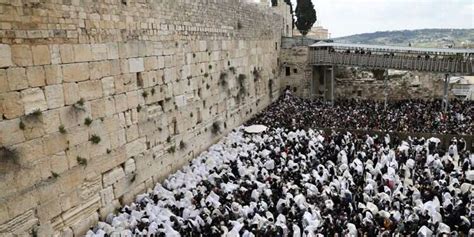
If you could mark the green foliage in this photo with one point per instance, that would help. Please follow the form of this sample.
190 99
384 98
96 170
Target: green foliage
206 74
239 25
256 74
270 87
22 125
305 16
139 108
62 130
35 114
172 149
182 145
222 79
81 161
216 127
232 69
87 121
168 139
9 154
145 94
94 139
79 105
152 91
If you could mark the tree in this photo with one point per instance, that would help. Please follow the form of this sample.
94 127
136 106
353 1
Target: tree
305 16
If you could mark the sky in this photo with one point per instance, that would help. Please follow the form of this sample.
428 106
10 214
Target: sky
348 17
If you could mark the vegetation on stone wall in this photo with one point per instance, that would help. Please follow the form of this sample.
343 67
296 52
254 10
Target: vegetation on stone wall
8 154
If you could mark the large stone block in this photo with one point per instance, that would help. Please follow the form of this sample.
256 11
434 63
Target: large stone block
113 176
54 74
11 105
54 96
99 52
41 55
21 55
3 81
33 99
121 102
136 147
17 78
36 76
108 86
11 132
67 53
136 65
71 93
82 53
54 143
76 72
90 90
5 56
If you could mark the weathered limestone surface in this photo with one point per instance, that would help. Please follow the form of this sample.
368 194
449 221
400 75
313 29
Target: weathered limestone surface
96 97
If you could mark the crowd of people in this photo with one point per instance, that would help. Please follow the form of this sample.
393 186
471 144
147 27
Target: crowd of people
306 183
413 116
291 180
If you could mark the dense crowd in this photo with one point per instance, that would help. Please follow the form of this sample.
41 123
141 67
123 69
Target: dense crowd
400 116
292 180
305 183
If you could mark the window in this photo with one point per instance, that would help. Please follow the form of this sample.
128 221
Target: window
295 70
288 71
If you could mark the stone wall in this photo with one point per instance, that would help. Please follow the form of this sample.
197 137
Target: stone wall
295 71
101 99
408 85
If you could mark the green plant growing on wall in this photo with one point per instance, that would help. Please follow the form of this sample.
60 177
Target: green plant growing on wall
152 91
182 145
54 175
242 90
22 125
94 139
168 139
216 127
206 75
62 130
88 121
139 108
35 115
222 79
145 94
79 105
270 88
81 161
9 154
232 69
172 149
133 178
256 74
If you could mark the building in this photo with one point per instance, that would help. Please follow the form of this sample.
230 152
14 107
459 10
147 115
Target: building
317 32
462 87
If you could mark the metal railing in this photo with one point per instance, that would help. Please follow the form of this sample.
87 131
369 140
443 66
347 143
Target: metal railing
400 62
